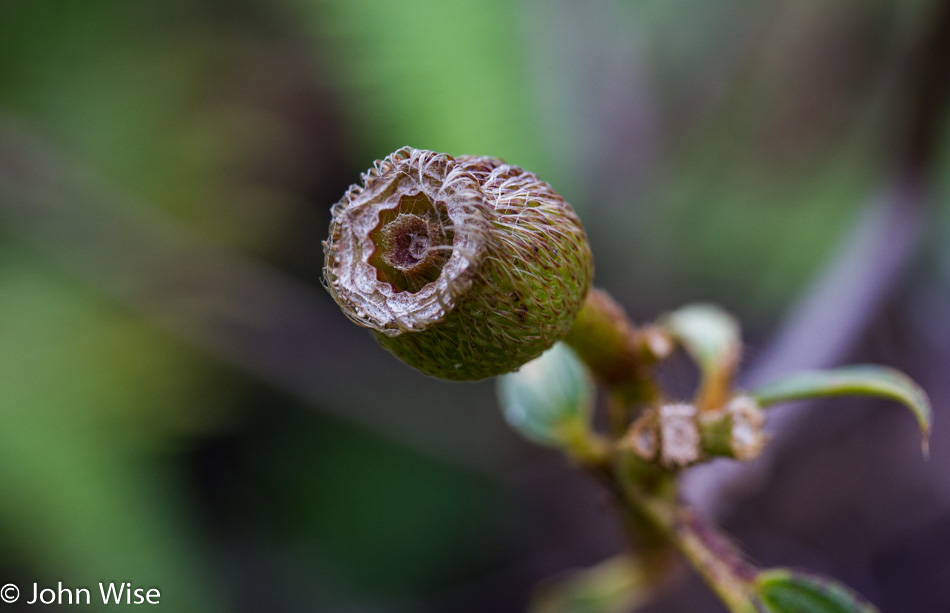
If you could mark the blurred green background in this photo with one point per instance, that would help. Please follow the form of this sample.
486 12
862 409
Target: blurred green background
183 407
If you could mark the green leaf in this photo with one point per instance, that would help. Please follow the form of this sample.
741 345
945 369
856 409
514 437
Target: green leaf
711 337
784 590
617 585
864 380
549 399
709 334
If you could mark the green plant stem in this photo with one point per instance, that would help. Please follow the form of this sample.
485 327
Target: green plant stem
621 356
716 386
707 549
585 447
653 547
711 553
618 417
618 353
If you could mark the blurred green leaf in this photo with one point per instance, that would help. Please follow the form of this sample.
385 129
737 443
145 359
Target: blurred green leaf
861 380
447 76
549 399
617 585
711 337
709 334
790 591
90 400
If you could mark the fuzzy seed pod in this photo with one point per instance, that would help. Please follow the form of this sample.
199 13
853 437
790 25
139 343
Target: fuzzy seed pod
463 267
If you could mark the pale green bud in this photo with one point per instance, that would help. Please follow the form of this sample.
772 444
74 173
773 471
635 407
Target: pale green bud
549 400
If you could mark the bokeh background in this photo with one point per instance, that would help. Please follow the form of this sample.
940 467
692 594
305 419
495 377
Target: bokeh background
182 405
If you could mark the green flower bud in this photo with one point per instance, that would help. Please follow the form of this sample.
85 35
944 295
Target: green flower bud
549 400
463 267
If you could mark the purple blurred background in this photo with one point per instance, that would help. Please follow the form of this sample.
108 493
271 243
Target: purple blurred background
183 406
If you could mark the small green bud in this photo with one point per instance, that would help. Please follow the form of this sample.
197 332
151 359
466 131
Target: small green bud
464 268
549 400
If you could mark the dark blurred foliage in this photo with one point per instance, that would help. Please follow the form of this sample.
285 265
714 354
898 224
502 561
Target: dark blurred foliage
182 406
